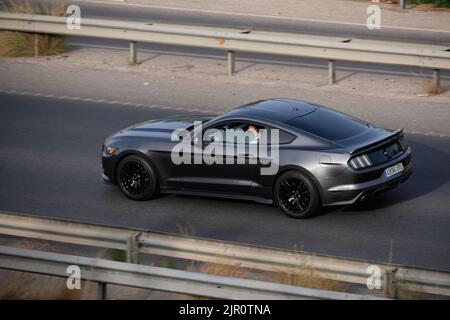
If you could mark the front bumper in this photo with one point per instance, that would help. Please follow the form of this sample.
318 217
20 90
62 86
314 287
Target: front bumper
109 163
105 179
356 186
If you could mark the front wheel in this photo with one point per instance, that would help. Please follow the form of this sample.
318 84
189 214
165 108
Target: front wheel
296 195
136 178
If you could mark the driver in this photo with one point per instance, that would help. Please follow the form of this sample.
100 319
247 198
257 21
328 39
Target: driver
255 133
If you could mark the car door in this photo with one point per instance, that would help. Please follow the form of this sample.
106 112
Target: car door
226 166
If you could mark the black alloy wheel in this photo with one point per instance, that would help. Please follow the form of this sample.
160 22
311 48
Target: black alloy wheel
136 178
296 195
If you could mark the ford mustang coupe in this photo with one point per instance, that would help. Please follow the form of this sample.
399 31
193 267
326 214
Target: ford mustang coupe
320 157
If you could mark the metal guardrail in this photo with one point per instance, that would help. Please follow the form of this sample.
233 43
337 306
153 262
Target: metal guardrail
161 279
136 241
240 40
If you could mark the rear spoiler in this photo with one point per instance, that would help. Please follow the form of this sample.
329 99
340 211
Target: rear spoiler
392 136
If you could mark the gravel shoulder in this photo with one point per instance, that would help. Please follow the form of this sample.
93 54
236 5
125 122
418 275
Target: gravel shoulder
199 83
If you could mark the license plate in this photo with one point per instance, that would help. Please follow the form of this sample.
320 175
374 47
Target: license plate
389 172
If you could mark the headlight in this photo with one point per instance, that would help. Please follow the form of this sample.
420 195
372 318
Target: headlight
110 150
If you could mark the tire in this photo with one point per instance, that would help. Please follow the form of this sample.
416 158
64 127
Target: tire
296 195
136 178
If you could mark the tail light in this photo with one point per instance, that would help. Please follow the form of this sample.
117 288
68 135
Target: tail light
360 162
403 143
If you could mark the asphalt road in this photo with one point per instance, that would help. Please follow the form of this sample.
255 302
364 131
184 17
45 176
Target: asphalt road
143 13
50 166
125 12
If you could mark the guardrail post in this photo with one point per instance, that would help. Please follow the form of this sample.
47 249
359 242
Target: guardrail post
230 56
437 80
133 248
331 71
101 291
36 45
133 53
390 284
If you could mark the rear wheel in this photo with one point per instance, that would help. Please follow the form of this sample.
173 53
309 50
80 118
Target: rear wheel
136 178
296 195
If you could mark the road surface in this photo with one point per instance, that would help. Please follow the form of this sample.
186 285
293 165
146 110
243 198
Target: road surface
50 166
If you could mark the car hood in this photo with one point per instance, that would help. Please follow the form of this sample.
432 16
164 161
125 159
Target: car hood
160 127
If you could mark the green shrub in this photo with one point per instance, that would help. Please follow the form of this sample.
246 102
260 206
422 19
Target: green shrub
168 263
436 3
114 255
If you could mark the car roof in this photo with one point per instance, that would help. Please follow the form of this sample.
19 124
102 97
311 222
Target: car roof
279 110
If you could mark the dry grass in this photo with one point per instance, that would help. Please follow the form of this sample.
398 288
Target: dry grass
220 269
28 286
32 7
19 285
16 285
433 89
403 294
307 277
21 44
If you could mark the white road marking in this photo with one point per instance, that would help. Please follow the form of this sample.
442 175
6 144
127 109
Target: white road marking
116 102
113 102
255 15
430 133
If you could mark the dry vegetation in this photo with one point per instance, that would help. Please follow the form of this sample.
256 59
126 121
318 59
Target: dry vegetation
19 285
15 285
433 89
305 276
220 269
21 44
309 278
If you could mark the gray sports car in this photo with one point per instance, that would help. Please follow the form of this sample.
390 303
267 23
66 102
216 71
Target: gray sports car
321 157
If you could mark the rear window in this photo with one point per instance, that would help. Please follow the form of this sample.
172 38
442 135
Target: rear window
328 124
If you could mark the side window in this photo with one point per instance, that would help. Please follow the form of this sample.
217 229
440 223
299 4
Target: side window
219 133
252 131
285 137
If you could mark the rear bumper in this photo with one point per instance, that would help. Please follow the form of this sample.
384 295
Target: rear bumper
361 187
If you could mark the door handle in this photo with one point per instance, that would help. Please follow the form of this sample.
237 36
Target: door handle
248 156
